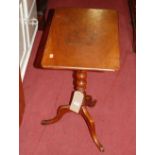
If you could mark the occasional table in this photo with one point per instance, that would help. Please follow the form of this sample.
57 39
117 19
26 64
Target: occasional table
81 40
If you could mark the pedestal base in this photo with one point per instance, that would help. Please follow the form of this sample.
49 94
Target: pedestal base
80 85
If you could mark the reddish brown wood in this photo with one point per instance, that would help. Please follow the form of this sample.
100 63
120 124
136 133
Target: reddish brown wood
60 112
85 39
89 101
21 100
91 126
80 82
81 40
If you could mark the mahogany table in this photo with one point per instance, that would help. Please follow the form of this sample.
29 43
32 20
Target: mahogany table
81 40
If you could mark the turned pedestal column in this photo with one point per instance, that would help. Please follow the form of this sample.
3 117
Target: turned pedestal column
81 40
79 81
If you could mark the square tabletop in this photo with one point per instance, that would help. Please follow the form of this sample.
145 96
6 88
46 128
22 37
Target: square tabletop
85 39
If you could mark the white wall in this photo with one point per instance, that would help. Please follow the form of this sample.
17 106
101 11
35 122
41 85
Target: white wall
28 25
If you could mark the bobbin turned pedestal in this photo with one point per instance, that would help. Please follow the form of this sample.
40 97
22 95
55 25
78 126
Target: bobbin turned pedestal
80 40
80 81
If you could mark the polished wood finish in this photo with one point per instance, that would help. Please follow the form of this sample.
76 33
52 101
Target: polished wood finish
89 101
80 82
91 126
86 116
84 39
80 85
60 112
81 40
21 100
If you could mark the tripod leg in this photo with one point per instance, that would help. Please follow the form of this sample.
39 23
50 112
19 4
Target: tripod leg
89 101
60 112
91 126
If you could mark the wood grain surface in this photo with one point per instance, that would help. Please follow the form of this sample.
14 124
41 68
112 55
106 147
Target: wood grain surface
84 39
